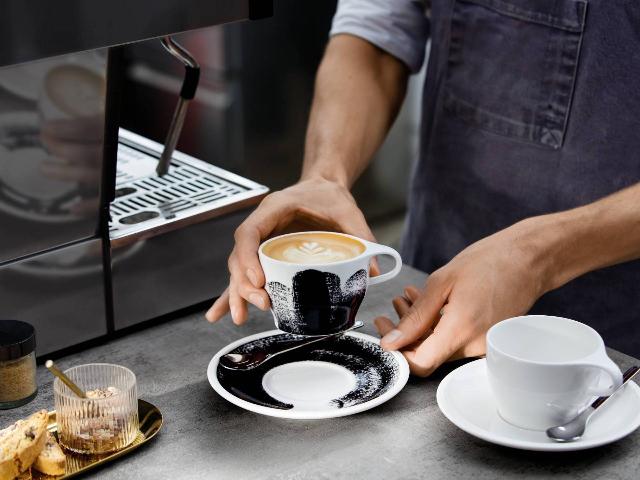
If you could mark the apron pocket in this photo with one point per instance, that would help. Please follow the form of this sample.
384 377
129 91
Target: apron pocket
512 65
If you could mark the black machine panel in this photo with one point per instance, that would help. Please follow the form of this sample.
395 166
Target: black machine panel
34 29
61 293
51 150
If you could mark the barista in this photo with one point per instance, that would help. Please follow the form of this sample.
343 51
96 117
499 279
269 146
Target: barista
525 195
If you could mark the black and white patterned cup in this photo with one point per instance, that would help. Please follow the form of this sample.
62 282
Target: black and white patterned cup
320 295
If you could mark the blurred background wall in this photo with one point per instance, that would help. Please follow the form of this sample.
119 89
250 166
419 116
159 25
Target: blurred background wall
250 113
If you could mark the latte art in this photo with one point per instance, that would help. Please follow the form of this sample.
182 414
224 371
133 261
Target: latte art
313 252
314 248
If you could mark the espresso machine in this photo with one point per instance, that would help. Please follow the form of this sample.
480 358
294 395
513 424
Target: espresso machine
101 228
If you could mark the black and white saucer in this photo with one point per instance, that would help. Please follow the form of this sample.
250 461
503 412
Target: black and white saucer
334 378
465 398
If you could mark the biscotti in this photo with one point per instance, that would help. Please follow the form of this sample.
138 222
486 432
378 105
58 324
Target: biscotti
52 460
26 475
21 443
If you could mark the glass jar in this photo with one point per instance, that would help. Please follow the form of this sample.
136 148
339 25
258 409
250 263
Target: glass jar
17 363
105 421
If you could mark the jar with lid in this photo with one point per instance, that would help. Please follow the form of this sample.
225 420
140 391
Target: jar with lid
17 363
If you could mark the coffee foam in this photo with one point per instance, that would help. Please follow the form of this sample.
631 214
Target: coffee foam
313 248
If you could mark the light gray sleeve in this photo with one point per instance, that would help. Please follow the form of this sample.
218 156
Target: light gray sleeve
399 27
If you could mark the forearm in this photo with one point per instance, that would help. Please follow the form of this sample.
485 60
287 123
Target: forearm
568 244
359 90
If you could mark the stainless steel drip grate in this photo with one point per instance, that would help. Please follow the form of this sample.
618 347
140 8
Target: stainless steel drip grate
193 190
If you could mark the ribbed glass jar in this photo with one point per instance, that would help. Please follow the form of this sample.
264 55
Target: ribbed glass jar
105 422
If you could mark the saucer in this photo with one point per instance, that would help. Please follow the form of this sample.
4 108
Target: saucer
334 378
465 398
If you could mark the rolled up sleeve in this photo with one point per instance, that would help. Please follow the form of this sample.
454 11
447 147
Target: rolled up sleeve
399 27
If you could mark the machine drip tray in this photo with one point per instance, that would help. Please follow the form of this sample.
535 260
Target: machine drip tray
139 217
192 191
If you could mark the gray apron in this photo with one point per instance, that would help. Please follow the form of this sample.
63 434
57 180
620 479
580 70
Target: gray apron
530 107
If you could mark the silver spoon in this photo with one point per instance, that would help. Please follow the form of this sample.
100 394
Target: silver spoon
248 361
574 429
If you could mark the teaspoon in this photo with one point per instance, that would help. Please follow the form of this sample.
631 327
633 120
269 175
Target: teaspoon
248 361
574 429
66 380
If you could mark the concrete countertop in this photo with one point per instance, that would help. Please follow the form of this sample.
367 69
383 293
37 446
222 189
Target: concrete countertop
204 436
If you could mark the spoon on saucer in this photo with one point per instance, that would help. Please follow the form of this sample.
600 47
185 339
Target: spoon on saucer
574 429
248 361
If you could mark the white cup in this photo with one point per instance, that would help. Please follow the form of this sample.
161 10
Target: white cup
544 370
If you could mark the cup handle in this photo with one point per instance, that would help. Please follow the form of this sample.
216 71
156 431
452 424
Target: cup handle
374 249
604 363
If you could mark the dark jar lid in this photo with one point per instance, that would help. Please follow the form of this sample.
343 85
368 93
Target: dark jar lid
17 339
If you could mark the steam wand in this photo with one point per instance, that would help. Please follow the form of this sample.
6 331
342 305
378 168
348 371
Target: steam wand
188 91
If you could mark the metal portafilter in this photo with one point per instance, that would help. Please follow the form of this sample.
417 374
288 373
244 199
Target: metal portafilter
187 92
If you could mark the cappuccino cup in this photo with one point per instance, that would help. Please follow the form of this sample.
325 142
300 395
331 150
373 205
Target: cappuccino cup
544 370
317 280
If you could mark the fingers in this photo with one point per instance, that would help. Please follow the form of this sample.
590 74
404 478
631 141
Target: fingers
229 301
412 293
383 325
419 319
436 349
401 306
237 305
374 267
277 211
244 265
246 261
448 341
241 283
219 308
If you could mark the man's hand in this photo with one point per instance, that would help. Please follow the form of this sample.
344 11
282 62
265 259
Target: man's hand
491 280
502 276
359 90
310 204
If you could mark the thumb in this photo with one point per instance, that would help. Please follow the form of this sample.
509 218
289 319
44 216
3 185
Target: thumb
437 348
418 320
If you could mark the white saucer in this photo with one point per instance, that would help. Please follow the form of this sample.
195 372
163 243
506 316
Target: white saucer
464 397
336 378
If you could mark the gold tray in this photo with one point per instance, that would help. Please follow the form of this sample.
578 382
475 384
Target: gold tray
150 424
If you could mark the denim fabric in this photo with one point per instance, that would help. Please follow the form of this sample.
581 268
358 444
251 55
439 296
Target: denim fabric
530 107
525 62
